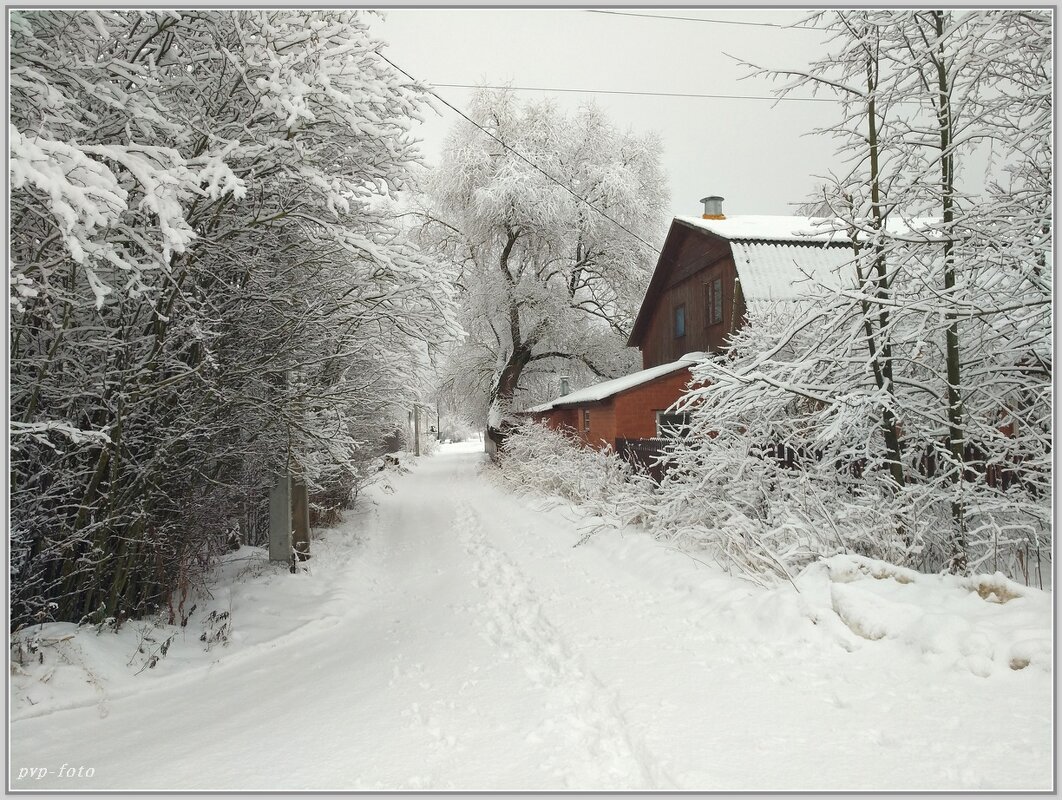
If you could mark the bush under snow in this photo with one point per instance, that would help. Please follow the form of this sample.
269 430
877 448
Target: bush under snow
811 568
740 507
539 460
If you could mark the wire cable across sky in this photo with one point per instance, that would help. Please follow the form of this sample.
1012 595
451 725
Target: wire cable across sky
634 92
521 156
710 21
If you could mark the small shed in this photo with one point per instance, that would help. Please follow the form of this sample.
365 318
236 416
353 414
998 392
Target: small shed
635 406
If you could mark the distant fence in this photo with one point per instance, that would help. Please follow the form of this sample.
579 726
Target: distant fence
645 454
1002 475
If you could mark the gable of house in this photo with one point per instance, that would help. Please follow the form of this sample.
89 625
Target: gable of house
711 270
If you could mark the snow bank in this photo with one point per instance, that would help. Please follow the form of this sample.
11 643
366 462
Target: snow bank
982 623
247 603
62 665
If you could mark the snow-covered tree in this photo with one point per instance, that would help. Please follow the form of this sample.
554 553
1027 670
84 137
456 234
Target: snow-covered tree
205 285
549 217
940 338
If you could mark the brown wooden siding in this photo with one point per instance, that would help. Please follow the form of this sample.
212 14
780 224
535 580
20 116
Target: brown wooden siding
602 422
660 346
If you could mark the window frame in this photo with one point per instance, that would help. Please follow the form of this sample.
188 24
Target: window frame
678 312
586 420
713 296
683 424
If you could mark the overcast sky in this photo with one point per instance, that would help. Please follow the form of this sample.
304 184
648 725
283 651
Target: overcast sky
755 153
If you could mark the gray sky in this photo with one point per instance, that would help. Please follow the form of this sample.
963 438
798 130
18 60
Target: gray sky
757 154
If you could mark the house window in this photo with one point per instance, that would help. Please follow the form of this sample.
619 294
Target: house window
586 420
713 302
680 321
672 426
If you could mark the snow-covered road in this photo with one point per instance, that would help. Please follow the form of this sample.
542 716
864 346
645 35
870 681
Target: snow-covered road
449 637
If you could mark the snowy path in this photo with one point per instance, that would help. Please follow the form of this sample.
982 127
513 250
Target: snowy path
451 638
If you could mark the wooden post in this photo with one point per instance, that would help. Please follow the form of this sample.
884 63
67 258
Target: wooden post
280 519
416 430
300 519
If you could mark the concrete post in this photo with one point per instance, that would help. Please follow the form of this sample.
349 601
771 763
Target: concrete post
416 430
300 519
280 520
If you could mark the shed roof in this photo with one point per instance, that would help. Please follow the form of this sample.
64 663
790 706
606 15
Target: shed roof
606 389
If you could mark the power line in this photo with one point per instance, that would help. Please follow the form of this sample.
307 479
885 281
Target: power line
673 262
712 21
521 156
634 93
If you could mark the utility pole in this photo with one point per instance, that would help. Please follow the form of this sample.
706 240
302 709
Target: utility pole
289 508
416 430
300 497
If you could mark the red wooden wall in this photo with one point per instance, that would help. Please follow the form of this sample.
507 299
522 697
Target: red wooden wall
628 415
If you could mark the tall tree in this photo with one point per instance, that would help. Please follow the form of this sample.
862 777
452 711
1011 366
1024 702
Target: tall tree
940 334
549 216
860 201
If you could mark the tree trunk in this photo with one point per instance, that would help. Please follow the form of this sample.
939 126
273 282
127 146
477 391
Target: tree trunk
501 396
956 427
881 348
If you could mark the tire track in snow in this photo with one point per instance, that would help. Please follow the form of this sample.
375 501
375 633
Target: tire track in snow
584 717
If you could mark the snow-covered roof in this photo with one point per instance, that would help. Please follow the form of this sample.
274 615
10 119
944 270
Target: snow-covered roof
773 228
777 257
782 271
606 389
821 230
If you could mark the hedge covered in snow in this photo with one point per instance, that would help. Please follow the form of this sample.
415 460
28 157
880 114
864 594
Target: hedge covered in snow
747 510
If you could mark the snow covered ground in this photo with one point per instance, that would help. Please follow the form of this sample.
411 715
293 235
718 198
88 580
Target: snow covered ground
449 637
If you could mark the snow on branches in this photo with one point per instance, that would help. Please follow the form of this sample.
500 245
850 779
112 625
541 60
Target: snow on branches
932 369
548 215
207 287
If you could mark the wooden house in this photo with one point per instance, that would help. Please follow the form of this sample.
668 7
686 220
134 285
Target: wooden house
712 268
632 407
712 271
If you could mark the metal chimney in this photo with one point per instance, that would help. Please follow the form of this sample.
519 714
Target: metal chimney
713 207
564 385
